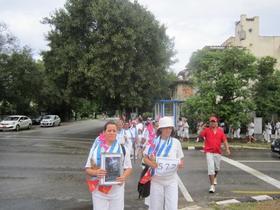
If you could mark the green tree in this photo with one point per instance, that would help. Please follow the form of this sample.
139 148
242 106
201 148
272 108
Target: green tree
223 79
19 78
267 88
113 52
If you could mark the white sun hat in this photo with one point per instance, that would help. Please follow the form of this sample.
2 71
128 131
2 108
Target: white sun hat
166 122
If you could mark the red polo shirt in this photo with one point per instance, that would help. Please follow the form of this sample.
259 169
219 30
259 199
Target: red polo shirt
213 141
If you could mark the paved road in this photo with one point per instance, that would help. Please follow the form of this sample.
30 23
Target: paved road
43 169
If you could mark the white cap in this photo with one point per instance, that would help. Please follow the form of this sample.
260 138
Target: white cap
166 122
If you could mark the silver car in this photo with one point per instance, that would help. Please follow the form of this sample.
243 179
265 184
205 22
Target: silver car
15 122
50 121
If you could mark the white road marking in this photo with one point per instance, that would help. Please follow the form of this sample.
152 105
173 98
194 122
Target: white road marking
262 197
258 161
226 202
254 172
184 190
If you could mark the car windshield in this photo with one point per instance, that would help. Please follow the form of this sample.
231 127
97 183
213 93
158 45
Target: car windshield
11 118
48 117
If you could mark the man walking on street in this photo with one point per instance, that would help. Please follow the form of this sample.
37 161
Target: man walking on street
214 136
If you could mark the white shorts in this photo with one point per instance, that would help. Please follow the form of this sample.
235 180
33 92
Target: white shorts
213 162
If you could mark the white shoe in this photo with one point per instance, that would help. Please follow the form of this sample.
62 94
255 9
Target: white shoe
212 189
215 181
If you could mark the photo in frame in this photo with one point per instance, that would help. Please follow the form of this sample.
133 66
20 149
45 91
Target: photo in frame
112 164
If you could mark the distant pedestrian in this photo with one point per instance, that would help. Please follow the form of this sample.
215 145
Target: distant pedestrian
180 129
186 127
268 132
277 129
213 138
236 127
199 128
251 130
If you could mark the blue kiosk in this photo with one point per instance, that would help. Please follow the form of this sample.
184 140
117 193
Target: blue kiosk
169 108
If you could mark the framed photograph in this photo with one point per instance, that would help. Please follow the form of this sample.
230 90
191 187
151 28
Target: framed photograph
112 163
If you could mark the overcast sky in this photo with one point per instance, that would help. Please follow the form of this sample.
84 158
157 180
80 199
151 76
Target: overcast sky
192 23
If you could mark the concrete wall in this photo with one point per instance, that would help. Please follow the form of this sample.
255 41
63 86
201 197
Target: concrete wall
247 35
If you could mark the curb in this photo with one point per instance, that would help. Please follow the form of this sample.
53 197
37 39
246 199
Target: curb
257 198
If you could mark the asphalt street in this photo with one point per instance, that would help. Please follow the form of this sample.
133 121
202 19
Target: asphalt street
42 168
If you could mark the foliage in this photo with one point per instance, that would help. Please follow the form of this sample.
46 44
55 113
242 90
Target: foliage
112 52
19 77
267 89
223 81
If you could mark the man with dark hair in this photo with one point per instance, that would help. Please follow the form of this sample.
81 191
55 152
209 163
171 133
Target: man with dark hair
213 137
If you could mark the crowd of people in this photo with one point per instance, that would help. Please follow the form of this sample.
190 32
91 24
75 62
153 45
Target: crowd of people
233 131
155 144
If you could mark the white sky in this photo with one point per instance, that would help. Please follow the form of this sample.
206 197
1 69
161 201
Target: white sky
192 23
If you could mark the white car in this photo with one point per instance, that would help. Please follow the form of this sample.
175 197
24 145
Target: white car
50 120
15 122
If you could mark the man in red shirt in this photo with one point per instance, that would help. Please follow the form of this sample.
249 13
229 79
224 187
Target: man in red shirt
213 138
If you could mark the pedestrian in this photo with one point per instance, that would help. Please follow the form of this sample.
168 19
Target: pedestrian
277 129
237 127
106 197
251 130
199 128
128 138
268 132
164 150
180 129
185 132
213 138
120 132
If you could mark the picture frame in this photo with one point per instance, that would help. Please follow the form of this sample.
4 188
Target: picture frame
112 164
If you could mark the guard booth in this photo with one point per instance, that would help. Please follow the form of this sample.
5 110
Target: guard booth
169 108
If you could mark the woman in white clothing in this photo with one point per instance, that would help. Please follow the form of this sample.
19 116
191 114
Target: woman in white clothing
106 197
163 151
186 130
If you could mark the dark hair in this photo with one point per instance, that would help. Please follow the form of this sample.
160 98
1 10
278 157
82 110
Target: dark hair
109 123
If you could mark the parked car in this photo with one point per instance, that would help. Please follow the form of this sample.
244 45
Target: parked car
50 120
15 122
275 146
37 120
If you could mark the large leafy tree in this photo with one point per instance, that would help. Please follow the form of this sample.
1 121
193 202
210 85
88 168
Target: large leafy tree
267 89
223 79
19 79
111 51
19 76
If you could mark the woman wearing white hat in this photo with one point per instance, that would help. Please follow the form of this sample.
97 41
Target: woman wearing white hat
164 156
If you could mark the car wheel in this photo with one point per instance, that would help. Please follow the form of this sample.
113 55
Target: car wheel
17 128
29 126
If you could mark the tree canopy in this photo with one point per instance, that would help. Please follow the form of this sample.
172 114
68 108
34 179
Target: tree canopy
223 80
113 52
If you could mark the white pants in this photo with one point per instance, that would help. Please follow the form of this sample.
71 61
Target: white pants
186 133
164 197
237 133
110 201
213 162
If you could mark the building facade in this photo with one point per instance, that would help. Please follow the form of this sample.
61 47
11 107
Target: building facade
247 35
